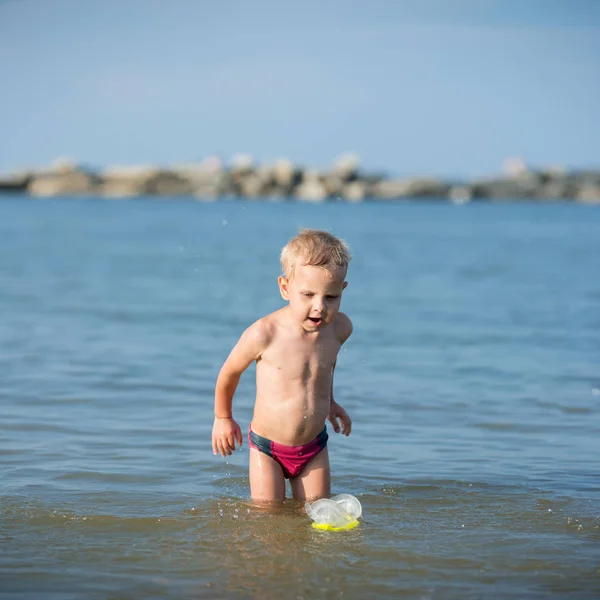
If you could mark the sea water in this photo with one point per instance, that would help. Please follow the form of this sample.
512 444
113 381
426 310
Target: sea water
472 378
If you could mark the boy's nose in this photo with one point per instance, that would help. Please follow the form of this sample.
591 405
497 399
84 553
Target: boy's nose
318 305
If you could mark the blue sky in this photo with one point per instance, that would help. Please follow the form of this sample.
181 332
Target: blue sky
436 87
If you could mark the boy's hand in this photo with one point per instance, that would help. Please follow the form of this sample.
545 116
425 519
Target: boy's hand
224 435
337 412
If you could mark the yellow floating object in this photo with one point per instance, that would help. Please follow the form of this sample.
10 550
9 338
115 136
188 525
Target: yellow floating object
328 527
339 513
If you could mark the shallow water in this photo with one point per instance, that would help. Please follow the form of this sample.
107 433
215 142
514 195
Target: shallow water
473 379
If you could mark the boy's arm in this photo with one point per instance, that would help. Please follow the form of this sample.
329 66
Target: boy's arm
248 349
336 412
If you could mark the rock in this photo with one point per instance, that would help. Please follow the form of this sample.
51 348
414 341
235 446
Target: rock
555 190
311 189
128 180
553 172
460 194
65 182
129 172
284 174
208 179
14 182
524 185
254 185
589 194
207 193
355 191
584 178
242 163
346 166
334 184
169 183
211 188
411 188
121 189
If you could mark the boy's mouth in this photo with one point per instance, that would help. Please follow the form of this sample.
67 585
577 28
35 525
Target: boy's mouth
315 320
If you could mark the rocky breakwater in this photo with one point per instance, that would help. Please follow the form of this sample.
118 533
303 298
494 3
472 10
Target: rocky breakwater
345 180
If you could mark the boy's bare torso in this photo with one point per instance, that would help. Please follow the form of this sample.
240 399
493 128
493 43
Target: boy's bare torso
294 377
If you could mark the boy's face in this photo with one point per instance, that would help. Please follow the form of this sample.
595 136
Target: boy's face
314 294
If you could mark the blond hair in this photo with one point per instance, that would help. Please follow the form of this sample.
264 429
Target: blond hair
315 248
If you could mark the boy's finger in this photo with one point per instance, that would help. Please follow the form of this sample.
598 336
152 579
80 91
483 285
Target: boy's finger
220 448
214 447
225 446
238 435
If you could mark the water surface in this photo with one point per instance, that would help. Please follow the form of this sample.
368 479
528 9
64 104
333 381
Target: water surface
472 377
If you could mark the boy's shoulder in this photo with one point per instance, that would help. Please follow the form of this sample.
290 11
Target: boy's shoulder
343 326
262 331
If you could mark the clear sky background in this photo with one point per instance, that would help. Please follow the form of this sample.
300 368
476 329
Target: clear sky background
443 87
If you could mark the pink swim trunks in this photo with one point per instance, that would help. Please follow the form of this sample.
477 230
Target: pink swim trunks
292 459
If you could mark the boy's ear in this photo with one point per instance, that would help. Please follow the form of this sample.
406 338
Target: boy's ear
345 285
283 287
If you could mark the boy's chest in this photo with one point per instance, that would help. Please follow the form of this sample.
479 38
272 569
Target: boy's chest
303 360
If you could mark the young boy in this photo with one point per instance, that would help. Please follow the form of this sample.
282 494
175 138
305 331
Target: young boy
295 349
